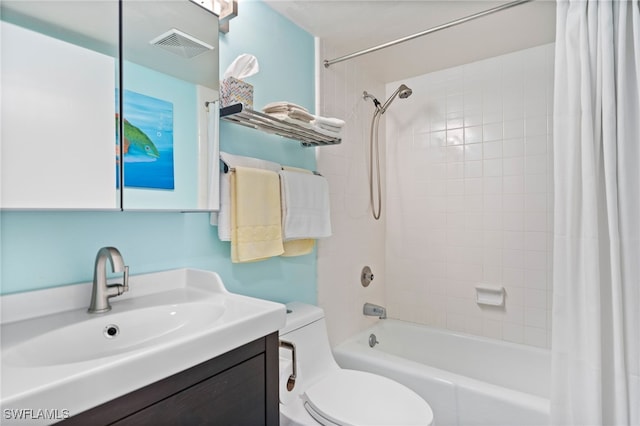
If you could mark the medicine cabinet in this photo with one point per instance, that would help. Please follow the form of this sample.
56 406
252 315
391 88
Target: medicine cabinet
72 69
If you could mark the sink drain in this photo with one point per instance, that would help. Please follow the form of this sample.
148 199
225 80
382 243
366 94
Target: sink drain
111 331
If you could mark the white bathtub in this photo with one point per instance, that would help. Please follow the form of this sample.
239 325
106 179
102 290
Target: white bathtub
467 380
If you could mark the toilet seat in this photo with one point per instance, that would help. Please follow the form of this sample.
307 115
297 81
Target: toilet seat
350 398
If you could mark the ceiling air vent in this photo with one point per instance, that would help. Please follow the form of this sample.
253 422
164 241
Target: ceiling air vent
181 44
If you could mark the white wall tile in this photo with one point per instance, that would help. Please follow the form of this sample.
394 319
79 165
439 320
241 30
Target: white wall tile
513 202
473 186
513 259
514 129
535 184
513 332
536 278
455 170
536 164
513 240
535 202
513 184
455 153
455 136
513 166
473 169
492 185
492 167
473 118
535 318
472 202
535 336
513 147
357 239
492 131
535 241
492 149
535 145
492 328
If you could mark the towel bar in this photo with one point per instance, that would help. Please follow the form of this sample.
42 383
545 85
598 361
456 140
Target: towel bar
228 169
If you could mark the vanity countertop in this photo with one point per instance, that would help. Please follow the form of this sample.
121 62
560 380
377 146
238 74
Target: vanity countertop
58 357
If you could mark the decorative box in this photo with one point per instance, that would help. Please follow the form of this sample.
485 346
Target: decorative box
234 91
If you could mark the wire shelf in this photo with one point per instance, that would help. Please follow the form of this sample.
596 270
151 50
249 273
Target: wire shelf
267 123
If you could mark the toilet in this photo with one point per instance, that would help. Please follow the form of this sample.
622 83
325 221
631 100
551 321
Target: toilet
320 392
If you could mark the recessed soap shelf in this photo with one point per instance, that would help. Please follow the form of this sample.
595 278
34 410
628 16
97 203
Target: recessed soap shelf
490 295
238 114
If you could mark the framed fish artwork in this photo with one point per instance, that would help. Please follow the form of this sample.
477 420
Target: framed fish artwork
148 142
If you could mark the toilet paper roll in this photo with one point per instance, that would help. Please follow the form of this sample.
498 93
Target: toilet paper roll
286 368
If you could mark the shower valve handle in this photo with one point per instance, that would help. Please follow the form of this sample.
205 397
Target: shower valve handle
366 276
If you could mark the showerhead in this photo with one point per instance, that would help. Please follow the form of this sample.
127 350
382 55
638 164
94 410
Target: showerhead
403 91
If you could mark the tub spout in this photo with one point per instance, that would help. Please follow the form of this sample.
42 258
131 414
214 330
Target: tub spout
374 310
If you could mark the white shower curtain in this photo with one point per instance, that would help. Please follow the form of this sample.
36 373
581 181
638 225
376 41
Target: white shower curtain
596 303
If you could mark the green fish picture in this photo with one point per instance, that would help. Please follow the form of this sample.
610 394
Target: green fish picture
147 146
136 139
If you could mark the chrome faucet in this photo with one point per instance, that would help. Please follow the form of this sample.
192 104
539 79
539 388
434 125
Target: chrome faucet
102 291
374 310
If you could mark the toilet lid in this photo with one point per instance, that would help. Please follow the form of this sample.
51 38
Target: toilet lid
356 398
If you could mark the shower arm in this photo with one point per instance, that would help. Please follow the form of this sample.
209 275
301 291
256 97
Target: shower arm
384 107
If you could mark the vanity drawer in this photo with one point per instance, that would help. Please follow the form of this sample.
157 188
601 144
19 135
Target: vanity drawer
239 387
233 397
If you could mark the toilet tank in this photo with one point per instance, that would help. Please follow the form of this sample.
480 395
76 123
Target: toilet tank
299 315
306 328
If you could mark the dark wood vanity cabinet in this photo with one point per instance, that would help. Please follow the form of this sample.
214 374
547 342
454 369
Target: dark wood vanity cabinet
237 388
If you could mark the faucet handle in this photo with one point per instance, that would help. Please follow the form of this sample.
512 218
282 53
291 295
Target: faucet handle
125 279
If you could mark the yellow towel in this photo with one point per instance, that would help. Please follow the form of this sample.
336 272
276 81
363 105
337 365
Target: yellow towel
298 247
256 222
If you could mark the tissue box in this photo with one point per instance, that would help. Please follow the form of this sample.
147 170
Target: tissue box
234 91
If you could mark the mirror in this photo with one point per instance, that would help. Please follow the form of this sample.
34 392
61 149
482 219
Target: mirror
170 69
59 75
61 78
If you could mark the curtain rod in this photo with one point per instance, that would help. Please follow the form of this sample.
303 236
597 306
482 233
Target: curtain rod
328 63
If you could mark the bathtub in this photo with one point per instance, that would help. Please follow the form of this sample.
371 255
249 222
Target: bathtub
467 380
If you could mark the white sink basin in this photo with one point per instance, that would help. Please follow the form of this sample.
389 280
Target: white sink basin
108 335
55 355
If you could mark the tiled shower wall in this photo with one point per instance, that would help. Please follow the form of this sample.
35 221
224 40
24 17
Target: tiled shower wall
469 197
357 239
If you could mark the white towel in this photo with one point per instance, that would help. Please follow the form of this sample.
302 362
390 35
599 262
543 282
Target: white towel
285 117
213 145
330 133
329 121
224 215
305 206
301 115
282 106
222 218
326 127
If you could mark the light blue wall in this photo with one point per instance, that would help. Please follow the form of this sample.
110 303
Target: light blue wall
46 249
286 73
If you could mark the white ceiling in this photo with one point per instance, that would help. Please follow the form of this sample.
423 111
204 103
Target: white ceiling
352 25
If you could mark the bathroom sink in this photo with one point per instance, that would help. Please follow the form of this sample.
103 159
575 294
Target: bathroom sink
56 355
113 334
